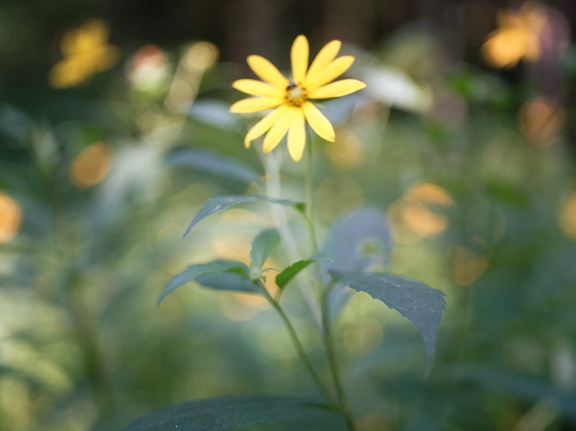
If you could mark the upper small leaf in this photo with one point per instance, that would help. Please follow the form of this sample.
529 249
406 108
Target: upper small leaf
291 271
236 412
416 301
220 203
264 244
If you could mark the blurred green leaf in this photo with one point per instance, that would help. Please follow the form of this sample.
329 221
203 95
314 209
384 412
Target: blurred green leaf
357 239
228 413
264 243
220 203
291 271
193 272
416 301
235 279
212 163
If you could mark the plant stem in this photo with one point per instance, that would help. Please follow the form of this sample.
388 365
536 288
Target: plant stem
324 309
298 345
332 363
310 208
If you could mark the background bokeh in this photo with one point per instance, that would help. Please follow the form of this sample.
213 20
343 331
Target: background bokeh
464 140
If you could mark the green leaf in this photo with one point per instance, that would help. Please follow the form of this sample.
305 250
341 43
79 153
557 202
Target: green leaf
416 301
235 412
212 163
264 243
193 272
232 280
288 273
220 203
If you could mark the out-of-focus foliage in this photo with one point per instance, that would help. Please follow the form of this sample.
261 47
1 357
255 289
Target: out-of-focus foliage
472 166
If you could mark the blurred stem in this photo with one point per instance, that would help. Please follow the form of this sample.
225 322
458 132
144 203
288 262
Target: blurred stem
310 199
273 190
298 345
331 355
327 336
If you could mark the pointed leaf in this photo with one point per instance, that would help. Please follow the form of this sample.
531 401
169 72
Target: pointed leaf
220 203
264 243
212 163
236 412
416 301
288 273
192 272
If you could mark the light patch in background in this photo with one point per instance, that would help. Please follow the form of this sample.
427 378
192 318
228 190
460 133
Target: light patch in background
347 152
90 166
363 337
337 194
10 217
199 57
541 121
467 266
567 216
420 213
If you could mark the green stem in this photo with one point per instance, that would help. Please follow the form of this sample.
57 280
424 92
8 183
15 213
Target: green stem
324 310
332 362
298 345
310 208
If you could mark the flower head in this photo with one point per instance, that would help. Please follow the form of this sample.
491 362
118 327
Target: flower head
291 99
85 52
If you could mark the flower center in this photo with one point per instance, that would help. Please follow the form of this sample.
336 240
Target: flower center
296 95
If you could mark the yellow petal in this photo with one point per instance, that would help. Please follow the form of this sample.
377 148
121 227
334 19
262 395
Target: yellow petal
257 88
279 129
330 72
262 126
299 58
323 59
318 122
337 89
297 136
254 104
267 71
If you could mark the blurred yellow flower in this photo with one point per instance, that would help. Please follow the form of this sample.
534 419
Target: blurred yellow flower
10 217
85 52
517 38
291 99
90 166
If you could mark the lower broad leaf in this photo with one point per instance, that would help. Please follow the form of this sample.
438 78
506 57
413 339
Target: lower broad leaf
416 301
235 412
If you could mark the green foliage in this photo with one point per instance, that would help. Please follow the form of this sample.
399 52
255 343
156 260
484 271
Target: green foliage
288 273
263 245
414 300
236 412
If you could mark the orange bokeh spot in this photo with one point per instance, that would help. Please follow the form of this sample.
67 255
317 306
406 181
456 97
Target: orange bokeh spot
541 121
467 265
420 213
567 216
90 166
10 217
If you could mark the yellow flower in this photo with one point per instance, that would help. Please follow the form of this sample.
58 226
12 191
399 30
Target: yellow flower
518 36
86 52
291 99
